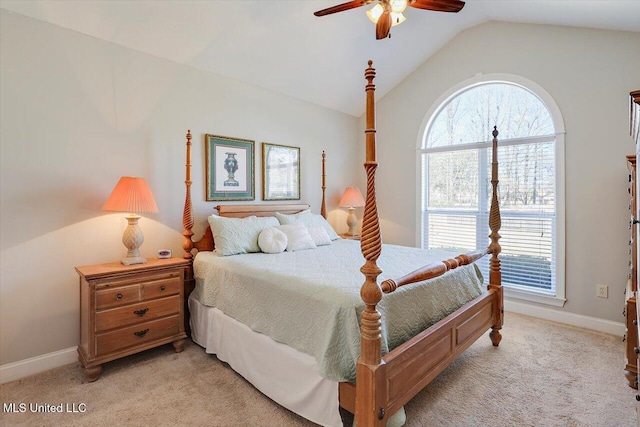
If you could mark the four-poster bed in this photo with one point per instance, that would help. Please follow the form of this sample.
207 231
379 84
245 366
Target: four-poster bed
384 383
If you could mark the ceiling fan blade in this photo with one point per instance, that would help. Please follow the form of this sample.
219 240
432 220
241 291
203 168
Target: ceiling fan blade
342 7
383 27
438 5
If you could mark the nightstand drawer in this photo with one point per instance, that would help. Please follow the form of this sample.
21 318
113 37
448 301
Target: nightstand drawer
113 297
136 313
161 288
137 334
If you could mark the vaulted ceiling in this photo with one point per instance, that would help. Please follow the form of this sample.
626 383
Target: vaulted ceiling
280 45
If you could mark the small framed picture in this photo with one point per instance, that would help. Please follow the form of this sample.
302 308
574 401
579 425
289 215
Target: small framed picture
230 168
280 172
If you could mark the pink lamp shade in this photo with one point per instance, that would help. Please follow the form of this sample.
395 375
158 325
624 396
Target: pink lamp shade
131 195
352 198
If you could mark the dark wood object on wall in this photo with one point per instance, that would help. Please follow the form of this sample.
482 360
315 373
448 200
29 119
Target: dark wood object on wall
630 309
632 315
634 115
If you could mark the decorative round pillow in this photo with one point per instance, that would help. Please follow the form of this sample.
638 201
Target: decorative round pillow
272 241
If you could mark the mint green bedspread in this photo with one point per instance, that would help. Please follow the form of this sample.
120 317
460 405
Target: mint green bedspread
310 300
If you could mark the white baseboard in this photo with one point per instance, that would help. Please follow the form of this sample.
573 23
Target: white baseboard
579 320
34 365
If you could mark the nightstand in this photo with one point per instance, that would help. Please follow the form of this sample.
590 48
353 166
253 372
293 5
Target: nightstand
128 309
347 236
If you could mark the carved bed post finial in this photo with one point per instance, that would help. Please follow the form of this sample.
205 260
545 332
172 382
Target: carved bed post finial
323 207
187 215
495 275
368 404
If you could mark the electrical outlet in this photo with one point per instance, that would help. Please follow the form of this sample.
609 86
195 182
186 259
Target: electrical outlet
602 291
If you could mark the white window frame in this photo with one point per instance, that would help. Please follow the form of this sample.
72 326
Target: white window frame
559 299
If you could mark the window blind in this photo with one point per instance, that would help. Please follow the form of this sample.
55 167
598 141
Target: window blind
457 196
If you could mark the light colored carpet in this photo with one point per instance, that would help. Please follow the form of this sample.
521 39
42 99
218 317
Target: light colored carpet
543 374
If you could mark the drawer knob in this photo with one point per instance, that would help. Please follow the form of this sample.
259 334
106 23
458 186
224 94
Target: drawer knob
119 297
141 312
141 333
635 322
636 350
638 397
163 287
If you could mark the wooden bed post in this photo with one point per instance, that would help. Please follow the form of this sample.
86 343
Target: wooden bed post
187 215
323 207
370 409
495 275
187 245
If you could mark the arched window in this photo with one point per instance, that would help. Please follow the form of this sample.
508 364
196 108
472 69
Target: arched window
456 188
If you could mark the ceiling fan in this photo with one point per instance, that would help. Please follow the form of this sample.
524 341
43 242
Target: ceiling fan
388 13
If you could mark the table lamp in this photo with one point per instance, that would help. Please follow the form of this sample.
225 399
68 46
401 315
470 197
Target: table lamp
352 199
131 195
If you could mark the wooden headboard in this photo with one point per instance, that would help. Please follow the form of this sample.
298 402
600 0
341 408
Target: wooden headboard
242 211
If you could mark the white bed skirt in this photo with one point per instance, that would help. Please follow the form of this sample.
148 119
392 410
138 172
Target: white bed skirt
287 376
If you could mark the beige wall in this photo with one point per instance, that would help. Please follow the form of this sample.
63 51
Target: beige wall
589 73
77 113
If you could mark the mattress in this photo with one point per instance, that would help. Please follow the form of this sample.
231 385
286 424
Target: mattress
310 300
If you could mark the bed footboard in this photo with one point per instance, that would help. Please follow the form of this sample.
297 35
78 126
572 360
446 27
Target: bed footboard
410 367
413 365
385 384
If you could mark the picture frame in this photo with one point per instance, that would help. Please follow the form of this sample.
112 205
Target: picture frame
230 168
280 172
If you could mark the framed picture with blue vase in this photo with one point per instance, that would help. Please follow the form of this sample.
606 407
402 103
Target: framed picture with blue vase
230 168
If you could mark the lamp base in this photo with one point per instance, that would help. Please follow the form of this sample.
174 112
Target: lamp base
133 260
132 239
352 222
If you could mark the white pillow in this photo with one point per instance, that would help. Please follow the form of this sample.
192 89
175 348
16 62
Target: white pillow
319 235
238 235
272 241
310 220
298 237
291 218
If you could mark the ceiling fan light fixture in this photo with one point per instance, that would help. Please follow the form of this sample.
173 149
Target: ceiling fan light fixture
398 6
397 18
375 12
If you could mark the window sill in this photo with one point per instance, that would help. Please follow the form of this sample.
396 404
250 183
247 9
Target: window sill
540 298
